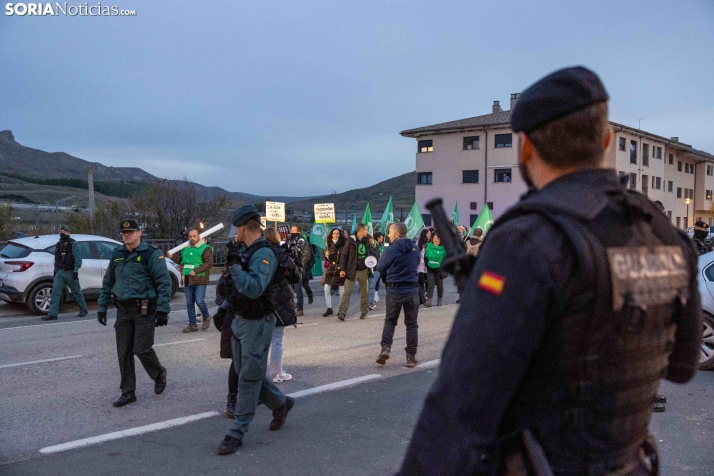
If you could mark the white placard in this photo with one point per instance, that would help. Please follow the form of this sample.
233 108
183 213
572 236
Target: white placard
183 245
324 212
274 211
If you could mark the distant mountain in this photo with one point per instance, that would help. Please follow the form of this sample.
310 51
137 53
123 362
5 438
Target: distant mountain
36 168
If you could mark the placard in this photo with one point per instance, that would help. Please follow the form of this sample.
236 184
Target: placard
324 212
274 211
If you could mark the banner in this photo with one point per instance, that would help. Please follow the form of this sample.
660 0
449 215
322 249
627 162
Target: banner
367 220
324 212
414 222
354 225
484 221
455 215
319 235
274 211
387 217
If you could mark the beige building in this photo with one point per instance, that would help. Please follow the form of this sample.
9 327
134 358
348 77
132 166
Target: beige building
474 161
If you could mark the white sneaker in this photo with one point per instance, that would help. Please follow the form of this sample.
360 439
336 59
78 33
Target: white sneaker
283 377
277 378
373 305
376 296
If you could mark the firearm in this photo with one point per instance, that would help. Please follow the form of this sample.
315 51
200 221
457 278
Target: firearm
456 262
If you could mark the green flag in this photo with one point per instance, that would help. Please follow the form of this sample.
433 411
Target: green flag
484 221
367 220
387 217
455 214
354 225
319 235
414 222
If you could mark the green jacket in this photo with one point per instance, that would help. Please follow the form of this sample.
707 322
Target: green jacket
434 255
131 275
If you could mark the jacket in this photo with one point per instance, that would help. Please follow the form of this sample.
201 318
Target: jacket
434 255
473 245
398 264
334 255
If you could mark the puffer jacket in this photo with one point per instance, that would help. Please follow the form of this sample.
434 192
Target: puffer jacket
332 273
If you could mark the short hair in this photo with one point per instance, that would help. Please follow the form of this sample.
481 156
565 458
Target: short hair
193 229
298 228
253 226
400 228
574 140
360 226
272 235
478 233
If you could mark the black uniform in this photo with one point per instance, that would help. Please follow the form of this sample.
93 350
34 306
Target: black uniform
582 298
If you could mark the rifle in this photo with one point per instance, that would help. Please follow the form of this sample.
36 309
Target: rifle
456 262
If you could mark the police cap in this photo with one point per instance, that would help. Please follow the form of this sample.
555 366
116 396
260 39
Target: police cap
129 225
64 228
555 96
244 214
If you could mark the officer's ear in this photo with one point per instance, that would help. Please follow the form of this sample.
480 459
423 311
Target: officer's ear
526 151
607 140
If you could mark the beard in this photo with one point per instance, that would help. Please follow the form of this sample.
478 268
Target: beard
523 169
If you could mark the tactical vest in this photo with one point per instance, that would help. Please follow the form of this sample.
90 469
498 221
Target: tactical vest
64 257
597 380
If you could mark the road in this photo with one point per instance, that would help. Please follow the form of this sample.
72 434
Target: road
361 427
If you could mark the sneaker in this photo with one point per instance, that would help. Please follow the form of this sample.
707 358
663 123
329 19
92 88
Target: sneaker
438 302
384 355
376 296
428 302
82 313
229 445
299 313
206 323
373 305
328 312
280 414
412 361
309 298
285 377
363 315
49 318
277 378
341 316
190 328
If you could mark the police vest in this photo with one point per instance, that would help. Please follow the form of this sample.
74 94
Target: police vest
64 257
612 354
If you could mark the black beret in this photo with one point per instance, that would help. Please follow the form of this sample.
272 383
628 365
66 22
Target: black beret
129 225
556 96
244 214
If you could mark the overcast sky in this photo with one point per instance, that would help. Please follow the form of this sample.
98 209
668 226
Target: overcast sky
303 98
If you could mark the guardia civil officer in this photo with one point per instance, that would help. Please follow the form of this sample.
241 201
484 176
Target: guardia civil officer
582 298
139 285
67 264
252 329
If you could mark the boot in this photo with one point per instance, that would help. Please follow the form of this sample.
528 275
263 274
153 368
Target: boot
82 313
438 302
231 405
412 361
328 312
229 445
309 298
190 328
299 313
428 302
281 413
206 323
384 355
160 383
340 316
124 399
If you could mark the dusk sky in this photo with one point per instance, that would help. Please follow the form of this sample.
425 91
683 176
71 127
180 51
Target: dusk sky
302 98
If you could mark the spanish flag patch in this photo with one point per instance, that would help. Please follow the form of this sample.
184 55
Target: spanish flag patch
491 283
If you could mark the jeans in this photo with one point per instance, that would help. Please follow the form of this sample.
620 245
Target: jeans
373 281
195 294
276 351
361 276
434 279
395 303
328 294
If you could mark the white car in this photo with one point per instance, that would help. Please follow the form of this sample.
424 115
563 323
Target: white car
27 267
706 289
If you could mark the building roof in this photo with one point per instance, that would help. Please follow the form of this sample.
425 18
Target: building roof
502 118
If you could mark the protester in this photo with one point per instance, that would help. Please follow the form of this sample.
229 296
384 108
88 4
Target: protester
473 244
433 256
354 269
302 253
196 261
275 367
67 264
398 270
331 277
422 241
374 274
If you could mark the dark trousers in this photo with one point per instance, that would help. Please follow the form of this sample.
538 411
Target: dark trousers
135 336
422 280
395 303
232 379
434 279
298 287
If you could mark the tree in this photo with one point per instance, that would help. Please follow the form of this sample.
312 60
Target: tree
6 221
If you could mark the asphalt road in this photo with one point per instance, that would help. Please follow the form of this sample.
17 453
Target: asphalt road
361 429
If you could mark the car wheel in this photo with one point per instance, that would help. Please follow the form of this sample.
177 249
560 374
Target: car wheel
706 354
174 286
38 300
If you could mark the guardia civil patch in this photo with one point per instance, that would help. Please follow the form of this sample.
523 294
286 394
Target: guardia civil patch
491 283
649 276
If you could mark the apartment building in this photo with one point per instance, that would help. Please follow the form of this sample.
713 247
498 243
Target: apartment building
474 161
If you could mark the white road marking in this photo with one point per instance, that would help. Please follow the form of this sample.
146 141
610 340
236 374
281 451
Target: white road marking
429 364
305 325
39 361
334 386
139 430
178 342
46 325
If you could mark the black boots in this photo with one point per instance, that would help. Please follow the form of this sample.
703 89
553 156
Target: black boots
231 405
280 414
229 445
328 312
384 355
412 361
160 383
124 399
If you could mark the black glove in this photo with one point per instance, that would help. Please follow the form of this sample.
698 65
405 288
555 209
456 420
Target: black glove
75 276
102 318
162 318
218 318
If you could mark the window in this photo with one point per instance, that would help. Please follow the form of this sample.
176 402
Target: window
686 167
633 152
473 206
472 220
710 169
470 176
670 184
679 166
633 181
427 218
426 146
645 180
502 175
85 250
679 192
686 222
504 140
657 183
17 251
490 205
622 143
691 168
669 216
471 142
659 153
646 155
691 193
424 178
105 249
679 222
709 194
671 159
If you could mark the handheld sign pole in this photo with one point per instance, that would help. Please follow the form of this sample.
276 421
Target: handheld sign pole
183 245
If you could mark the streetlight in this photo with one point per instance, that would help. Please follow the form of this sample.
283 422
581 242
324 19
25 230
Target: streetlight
687 201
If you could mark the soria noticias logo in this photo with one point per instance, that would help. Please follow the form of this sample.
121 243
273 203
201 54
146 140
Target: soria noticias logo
64 9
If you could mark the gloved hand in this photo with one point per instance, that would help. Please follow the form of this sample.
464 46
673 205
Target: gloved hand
162 318
75 276
218 318
102 318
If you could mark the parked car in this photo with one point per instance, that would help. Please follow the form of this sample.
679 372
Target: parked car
27 267
706 289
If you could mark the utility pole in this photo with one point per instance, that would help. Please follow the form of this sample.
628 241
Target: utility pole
90 181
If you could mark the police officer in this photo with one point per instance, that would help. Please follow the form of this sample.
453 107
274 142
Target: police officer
582 298
252 329
139 285
67 264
